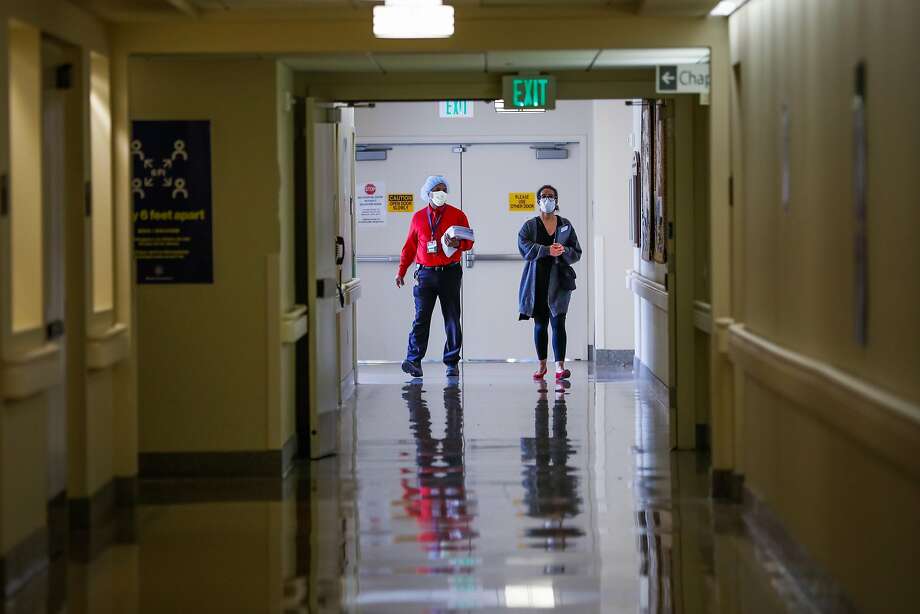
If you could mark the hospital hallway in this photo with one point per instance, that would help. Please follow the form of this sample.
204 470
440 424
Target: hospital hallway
231 231
488 493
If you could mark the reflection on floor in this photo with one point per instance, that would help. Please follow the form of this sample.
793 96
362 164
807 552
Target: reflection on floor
490 493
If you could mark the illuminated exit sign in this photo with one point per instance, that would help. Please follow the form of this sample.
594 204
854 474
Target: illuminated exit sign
452 109
529 91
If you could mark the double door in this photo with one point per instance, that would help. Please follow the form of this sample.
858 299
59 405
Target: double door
482 177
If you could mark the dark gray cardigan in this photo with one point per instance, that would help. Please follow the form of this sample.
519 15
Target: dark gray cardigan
531 250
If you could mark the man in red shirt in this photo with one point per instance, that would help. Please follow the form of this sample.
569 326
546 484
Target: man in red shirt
438 275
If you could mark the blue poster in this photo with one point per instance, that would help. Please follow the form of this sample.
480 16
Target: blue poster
171 189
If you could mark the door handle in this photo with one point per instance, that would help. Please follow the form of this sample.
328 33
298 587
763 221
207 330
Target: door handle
469 259
339 251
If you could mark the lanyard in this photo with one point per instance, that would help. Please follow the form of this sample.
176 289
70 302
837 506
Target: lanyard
434 224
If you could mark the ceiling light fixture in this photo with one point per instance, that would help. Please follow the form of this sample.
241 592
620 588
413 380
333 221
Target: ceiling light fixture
413 19
726 8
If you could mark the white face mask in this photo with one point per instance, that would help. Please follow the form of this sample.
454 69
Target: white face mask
438 198
547 205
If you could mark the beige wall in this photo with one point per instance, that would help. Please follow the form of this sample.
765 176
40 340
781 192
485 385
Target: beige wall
23 492
203 352
283 409
25 177
792 295
847 497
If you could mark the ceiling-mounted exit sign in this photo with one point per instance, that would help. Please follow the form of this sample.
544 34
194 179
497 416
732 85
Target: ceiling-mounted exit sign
529 91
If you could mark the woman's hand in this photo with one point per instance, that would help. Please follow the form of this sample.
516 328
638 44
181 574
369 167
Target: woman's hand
556 249
455 242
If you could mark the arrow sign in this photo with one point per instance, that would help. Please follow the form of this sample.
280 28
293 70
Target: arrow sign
667 79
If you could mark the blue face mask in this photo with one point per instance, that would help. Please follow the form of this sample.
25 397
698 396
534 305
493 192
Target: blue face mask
547 205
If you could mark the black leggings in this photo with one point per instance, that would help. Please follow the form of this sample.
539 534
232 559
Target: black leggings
541 335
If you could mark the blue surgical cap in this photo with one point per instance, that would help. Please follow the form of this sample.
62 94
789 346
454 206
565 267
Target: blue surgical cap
432 181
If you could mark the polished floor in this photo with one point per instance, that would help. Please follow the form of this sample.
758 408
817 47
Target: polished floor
487 493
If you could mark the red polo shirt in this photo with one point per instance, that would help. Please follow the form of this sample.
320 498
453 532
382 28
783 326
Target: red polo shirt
416 247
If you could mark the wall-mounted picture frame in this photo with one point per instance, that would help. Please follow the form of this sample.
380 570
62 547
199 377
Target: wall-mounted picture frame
645 177
660 206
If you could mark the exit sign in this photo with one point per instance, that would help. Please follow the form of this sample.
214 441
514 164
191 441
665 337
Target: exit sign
455 108
529 91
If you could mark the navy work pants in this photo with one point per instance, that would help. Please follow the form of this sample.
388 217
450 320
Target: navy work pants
433 285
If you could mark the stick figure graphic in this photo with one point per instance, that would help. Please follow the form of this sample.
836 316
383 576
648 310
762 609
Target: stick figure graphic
180 189
136 149
136 187
179 150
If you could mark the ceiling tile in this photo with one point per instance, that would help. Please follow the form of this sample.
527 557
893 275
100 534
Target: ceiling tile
504 61
415 62
355 62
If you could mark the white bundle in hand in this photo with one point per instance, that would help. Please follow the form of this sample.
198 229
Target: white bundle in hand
456 232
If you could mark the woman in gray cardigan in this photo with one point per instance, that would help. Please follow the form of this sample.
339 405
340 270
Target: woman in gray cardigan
550 247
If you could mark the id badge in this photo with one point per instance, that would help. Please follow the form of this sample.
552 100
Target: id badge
432 247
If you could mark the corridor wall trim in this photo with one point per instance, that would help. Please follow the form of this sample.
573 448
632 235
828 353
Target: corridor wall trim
887 425
650 290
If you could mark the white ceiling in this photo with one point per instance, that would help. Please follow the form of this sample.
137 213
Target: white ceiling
499 61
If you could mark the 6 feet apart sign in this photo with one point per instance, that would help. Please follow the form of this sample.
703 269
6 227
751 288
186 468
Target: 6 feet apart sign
171 189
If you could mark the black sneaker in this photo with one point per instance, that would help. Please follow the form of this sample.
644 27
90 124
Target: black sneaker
412 368
453 370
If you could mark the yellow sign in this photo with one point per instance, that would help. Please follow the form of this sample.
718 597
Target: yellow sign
401 203
522 201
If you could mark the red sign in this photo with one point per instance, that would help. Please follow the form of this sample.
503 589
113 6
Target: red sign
370 189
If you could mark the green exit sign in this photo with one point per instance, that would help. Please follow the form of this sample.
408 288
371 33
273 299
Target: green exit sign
529 91
455 109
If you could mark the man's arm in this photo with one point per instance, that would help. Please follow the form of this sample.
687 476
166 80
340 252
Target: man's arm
408 252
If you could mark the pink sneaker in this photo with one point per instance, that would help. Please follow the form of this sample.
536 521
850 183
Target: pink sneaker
564 374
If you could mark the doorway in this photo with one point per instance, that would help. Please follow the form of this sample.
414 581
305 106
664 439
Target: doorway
487 162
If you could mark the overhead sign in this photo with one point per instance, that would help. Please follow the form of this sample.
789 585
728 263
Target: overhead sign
522 201
682 79
401 203
171 190
529 91
371 204
455 109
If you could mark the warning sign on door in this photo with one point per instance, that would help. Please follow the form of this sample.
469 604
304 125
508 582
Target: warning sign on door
401 203
370 203
522 201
